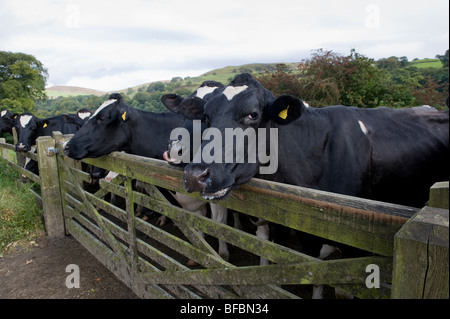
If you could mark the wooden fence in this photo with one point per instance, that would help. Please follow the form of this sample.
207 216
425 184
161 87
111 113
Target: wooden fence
405 250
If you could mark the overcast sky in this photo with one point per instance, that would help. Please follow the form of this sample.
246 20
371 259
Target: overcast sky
112 45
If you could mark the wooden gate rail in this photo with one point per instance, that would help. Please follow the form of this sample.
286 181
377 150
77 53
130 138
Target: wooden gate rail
364 224
161 174
408 245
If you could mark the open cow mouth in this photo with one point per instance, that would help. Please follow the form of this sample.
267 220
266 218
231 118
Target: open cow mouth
220 194
171 160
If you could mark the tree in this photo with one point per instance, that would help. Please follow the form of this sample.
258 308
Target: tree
443 58
22 80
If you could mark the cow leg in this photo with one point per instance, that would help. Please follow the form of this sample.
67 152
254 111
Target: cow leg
220 215
262 231
237 221
325 253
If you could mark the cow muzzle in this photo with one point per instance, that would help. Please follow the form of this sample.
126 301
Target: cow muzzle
197 179
22 148
200 179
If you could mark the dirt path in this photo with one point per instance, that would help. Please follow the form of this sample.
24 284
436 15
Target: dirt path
41 273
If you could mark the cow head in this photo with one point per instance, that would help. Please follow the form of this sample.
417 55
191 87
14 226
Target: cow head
105 131
7 120
27 126
190 108
243 106
78 119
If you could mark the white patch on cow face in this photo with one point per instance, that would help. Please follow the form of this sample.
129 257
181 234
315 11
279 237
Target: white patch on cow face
231 91
201 92
83 115
105 104
3 113
363 128
25 119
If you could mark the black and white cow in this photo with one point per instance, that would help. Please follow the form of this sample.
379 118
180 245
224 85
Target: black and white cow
29 127
7 120
391 155
115 126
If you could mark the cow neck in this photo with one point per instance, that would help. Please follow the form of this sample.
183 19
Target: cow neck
149 132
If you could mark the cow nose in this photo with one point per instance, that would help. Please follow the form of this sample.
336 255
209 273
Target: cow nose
196 179
21 148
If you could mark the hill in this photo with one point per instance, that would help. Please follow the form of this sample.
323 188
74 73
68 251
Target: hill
223 75
65 91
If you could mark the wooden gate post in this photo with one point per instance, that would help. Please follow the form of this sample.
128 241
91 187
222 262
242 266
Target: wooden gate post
421 252
50 188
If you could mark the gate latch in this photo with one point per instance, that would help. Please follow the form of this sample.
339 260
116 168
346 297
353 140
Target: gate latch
52 151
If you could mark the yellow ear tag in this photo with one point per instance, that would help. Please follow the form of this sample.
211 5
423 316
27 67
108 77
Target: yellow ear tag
283 114
45 125
15 116
123 115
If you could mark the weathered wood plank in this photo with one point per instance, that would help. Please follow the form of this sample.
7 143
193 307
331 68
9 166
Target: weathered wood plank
365 224
111 261
50 188
106 234
35 178
439 195
421 259
341 271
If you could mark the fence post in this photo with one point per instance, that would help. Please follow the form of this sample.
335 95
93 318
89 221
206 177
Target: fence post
50 188
421 251
2 140
21 159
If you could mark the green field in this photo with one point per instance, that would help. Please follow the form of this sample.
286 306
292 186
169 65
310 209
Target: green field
426 63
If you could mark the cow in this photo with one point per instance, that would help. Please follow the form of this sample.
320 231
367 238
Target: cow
7 120
115 126
179 105
29 127
391 155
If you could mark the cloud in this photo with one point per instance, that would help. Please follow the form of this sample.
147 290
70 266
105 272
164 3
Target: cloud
111 45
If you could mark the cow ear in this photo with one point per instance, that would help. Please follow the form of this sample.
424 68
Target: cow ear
67 118
172 102
192 108
286 109
42 123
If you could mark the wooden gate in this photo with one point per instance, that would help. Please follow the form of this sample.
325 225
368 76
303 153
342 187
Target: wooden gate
151 260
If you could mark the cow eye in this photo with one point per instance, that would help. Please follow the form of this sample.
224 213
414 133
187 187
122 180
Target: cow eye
251 117
101 118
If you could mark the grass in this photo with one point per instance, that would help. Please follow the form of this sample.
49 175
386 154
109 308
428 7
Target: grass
426 63
20 217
